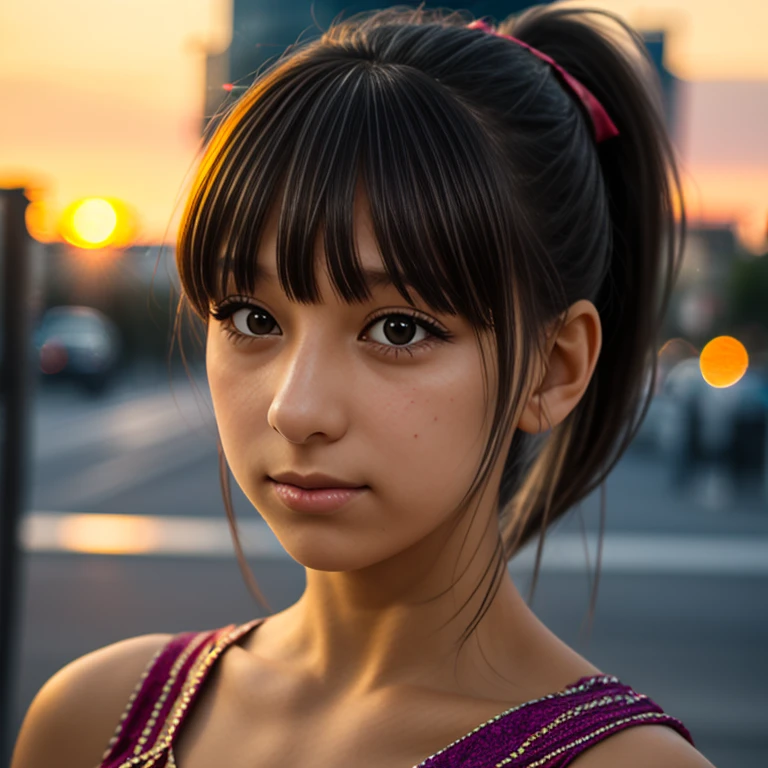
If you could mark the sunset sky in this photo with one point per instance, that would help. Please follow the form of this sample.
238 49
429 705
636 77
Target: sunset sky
105 98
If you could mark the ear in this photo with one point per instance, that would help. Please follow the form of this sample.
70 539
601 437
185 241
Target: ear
567 370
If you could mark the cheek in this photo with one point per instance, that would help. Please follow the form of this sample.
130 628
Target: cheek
234 393
220 381
430 439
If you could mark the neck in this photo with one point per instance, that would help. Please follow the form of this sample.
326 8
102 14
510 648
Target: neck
399 622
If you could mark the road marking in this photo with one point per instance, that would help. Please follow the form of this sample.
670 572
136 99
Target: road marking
102 481
623 553
133 424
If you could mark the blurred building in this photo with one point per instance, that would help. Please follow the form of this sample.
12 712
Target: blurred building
709 254
654 42
262 31
216 77
701 289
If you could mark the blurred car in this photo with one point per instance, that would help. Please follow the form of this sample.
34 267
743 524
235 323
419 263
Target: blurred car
79 344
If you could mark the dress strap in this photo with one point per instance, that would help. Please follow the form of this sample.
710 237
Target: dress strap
161 699
552 731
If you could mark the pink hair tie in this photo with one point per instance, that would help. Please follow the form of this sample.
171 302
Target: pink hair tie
604 127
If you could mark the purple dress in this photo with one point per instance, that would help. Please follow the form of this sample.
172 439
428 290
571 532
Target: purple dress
546 733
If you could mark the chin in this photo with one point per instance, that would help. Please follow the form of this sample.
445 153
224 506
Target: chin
330 551
329 562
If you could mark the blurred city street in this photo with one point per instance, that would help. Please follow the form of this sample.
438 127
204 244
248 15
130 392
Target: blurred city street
121 140
681 610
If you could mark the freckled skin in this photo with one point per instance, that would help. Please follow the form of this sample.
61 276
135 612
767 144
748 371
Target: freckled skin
318 396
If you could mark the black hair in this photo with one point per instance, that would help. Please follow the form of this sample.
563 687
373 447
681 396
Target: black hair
488 194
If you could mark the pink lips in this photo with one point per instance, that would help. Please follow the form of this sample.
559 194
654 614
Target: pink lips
317 500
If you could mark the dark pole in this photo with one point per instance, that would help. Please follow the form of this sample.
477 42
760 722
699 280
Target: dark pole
14 381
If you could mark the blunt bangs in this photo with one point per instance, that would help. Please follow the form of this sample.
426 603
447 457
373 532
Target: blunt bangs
308 138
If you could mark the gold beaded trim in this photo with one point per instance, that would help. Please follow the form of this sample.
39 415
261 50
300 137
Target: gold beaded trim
152 761
603 729
565 692
193 647
194 678
131 699
193 682
565 716
151 755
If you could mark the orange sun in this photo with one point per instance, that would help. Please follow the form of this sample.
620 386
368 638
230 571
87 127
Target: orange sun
96 222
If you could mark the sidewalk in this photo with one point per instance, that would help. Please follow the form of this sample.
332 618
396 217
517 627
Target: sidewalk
640 497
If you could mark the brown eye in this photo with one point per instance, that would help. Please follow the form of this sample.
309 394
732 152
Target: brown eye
397 330
253 321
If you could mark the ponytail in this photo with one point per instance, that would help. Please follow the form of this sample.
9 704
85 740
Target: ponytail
643 191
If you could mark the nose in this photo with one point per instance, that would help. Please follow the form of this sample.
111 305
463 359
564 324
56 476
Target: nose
311 390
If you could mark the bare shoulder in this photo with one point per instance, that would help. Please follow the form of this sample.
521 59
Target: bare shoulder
640 747
74 715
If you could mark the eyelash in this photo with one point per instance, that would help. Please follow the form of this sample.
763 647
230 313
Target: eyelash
224 312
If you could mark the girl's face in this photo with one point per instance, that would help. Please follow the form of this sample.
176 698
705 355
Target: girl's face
364 393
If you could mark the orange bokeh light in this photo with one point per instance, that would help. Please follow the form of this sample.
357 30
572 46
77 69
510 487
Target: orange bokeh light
723 361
